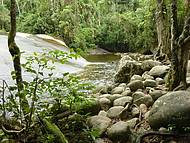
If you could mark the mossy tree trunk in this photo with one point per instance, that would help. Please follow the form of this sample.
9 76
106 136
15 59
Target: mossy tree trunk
163 31
180 45
15 53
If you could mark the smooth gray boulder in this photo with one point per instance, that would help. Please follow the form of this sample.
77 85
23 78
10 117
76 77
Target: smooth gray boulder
105 103
147 100
118 90
114 112
99 123
126 70
114 97
145 76
159 71
138 94
136 84
119 131
150 83
155 94
160 81
136 77
171 109
102 113
127 92
132 122
149 64
122 101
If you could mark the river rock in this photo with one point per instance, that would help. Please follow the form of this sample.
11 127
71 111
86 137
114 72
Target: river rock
122 101
122 85
104 96
119 131
127 92
136 77
147 76
160 81
105 103
143 108
135 112
131 123
147 100
159 71
114 112
118 90
102 113
136 84
155 94
137 95
126 70
150 83
99 123
149 64
171 109
114 97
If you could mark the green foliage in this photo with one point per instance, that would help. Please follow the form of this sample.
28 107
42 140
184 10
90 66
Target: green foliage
4 18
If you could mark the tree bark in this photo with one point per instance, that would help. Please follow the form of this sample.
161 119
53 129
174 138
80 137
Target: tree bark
15 53
180 46
163 32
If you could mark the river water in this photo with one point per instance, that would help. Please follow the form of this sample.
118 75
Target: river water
93 68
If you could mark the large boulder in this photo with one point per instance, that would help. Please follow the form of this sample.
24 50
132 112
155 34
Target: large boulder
171 109
100 123
126 70
159 71
120 131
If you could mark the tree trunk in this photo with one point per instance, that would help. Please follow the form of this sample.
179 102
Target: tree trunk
162 25
15 53
180 50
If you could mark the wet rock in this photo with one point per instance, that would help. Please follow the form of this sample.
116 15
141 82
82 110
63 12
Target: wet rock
160 81
172 108
159 71
150 83
126 70
114 112
149 64
122 101
147 100
136 77
105 103
118 90
119 131
99 123
136 84
102 113
155 94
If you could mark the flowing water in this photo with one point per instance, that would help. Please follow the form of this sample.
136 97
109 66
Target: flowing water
93 68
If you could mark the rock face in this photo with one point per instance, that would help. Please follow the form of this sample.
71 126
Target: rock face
100 123
119 131
172 108
159 71
126 70
136 84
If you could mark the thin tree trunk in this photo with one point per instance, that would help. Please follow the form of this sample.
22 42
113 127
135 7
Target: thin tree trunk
15 53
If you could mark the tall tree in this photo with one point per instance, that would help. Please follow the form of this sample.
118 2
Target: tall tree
15 53
163 32
180 46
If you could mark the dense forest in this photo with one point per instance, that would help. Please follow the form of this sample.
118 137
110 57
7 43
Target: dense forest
148 99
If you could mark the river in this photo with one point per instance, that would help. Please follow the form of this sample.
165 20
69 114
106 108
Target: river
94 68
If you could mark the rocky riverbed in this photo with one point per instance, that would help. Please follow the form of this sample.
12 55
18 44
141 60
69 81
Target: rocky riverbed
138 102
